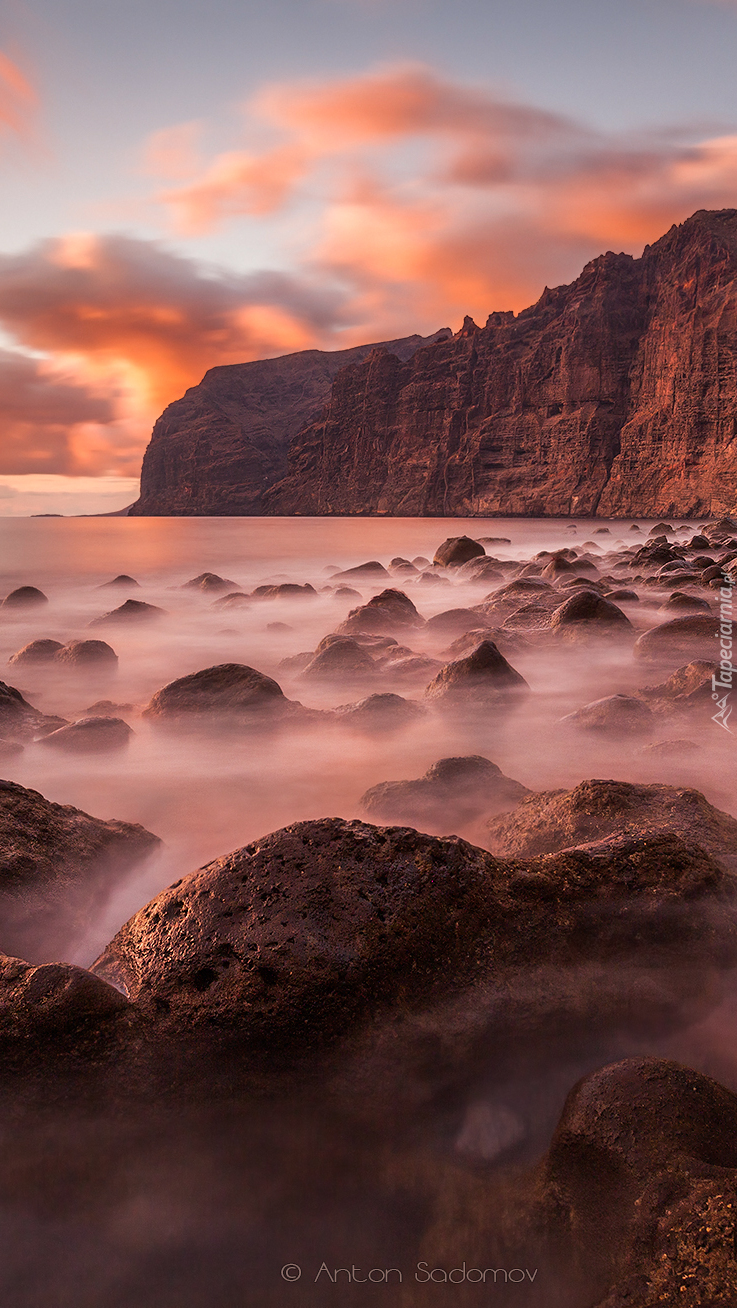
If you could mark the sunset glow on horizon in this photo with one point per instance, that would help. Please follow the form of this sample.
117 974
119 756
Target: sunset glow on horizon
386 189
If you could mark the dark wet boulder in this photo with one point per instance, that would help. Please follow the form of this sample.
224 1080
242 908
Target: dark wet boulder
483 678
320 928
19 720
380 712
453 792
554 820
25 597
210 583
615 715
390 611
36 652
58 866
87 654
133 611
640 1181
230 692
93 735
339 658
692 637
699 542
52 1002
121 582
457 550
587 611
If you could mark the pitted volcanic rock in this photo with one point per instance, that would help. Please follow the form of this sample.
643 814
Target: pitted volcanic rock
554 820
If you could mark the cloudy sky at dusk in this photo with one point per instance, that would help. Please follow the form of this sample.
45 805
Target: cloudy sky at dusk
188 183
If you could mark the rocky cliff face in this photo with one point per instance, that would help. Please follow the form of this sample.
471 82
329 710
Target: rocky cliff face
225 442
614 395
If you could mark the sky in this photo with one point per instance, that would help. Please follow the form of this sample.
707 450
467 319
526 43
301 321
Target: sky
191 183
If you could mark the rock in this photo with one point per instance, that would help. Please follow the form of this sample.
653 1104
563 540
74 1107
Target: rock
51 1003
484 677
679 601
210 583
699 542
383 712
452 622
36 652
321 927
390 611
372 571
121 582
690 637
661 529
453 792
480 572
95 735
87 654
688 687
587 611
59 865
457 550
278 626
286 590
10 749
236 600
25 597
640 1174
665 749
107 708
623 596
19 720
229 692
341 659
346 592
617 715
131 611
554 820
495 540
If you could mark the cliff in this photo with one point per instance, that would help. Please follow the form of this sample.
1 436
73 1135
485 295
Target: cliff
616 395
216 451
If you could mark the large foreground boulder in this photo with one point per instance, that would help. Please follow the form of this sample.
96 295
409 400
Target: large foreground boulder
323 925
485 678
57 866
554 820
640 1183
452 792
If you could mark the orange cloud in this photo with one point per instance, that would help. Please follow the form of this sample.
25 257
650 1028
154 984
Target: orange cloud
437 199
128 320
18 101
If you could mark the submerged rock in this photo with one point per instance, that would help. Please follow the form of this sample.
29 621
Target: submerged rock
87 654
131 611
95 735
19 720
338 657
457 550
380 712
617 715
484 677
588 611
36 652
210 583
229 691
452 792
681 638
121 582
25 597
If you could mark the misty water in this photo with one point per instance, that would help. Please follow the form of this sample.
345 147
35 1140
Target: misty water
206 794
